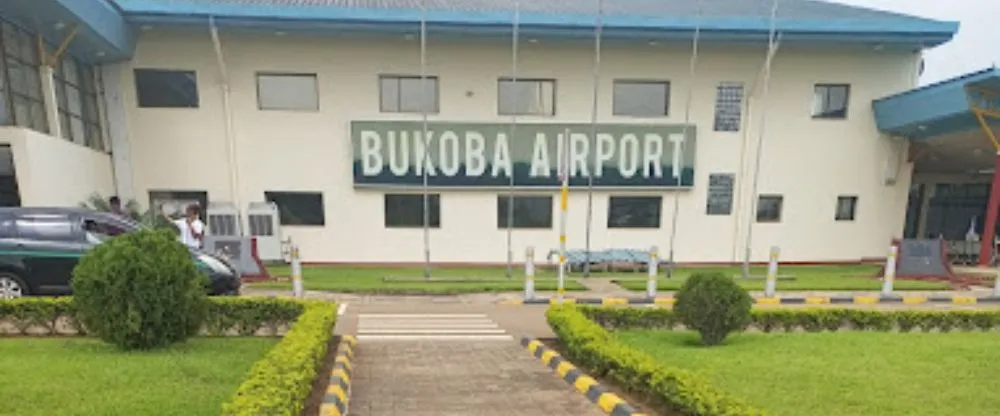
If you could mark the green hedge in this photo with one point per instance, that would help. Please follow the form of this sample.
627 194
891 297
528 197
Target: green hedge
243 316
280 383
595 349
813 320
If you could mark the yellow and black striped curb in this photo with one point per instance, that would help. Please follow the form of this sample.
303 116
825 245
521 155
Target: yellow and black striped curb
338 393
609 402
808 300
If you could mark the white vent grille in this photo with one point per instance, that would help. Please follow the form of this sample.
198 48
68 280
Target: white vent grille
223 219
266 228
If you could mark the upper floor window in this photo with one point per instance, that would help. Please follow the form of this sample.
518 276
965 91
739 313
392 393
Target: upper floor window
166 88
847 207
830 100
535 97
728 106
404 94
77 92
641 98
287 92
21 100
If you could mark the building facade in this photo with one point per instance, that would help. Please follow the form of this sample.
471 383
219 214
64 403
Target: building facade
218 104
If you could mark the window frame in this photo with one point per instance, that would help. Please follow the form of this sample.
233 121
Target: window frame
269 197
433 201
502 211
636 81
138 95
616 226
717 120
780 204
515 81
826 114
86 90
280 74
398 78
38 122
852 214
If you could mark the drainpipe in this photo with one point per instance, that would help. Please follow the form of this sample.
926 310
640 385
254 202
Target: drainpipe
234 175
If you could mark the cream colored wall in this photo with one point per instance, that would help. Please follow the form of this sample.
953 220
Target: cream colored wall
54 172
810 162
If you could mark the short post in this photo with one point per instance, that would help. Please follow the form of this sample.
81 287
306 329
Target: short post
529 273
296 273
654 261
996 285
770 285
890 271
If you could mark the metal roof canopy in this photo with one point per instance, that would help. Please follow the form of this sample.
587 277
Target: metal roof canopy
936 110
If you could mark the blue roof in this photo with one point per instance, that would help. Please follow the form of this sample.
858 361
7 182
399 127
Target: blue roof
106 25
938 109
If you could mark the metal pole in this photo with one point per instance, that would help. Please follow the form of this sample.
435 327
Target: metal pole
563 204
529 273
423 138
771 49
692 77
770 287
654 261
890 271
598 32
297 289
513 132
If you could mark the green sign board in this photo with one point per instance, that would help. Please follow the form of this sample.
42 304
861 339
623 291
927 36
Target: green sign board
392 153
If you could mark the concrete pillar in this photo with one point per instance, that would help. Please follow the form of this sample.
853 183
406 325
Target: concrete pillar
117 130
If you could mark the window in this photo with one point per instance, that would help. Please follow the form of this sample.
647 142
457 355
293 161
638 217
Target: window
407 210
77 93
174 203
846 208
287 92
728 106
641 98
634 211
164 88
45 227
830 100
10 195
769 208
534 97
403 94
529 211
720 194
21 102
298 208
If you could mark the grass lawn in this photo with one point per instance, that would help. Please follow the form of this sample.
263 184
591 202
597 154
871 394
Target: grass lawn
370 280
843 278
844 373
83 376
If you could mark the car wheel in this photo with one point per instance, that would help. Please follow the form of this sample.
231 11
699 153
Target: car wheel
12 287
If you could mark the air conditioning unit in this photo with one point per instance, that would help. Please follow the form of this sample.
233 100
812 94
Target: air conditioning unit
223 219
266 227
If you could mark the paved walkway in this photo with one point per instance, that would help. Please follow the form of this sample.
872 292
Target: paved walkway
450 360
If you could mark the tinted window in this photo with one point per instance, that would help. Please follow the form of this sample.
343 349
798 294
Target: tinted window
407 211
48 228
403 94
529 211
287 92
641 98
298 208
162 88
830 100
526 97
846 208
769 208
634 211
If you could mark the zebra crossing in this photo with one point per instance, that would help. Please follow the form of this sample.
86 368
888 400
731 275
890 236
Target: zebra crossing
429 327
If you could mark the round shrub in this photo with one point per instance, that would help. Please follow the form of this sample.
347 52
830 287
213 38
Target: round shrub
140 290
714 305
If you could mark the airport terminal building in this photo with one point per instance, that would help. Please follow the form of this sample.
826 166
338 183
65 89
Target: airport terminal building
321 107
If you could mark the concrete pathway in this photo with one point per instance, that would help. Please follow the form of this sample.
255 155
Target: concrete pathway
425 359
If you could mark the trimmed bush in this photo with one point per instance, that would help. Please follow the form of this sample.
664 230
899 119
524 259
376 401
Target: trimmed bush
140 290
714 305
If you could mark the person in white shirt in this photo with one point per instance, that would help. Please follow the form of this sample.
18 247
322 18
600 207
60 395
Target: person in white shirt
192 230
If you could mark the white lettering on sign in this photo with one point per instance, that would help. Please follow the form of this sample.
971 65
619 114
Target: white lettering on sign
452 153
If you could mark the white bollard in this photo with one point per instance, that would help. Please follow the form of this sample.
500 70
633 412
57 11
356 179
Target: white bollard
996 285
890 271
529 273
296 273
654 261
770 286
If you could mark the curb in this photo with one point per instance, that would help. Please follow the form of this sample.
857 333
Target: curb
812 300
338 393
609 402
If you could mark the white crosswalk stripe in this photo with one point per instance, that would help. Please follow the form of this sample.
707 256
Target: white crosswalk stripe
429 327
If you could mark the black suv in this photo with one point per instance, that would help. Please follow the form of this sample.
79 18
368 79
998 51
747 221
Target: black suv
39 247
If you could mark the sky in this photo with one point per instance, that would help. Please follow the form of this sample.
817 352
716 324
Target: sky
975 47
